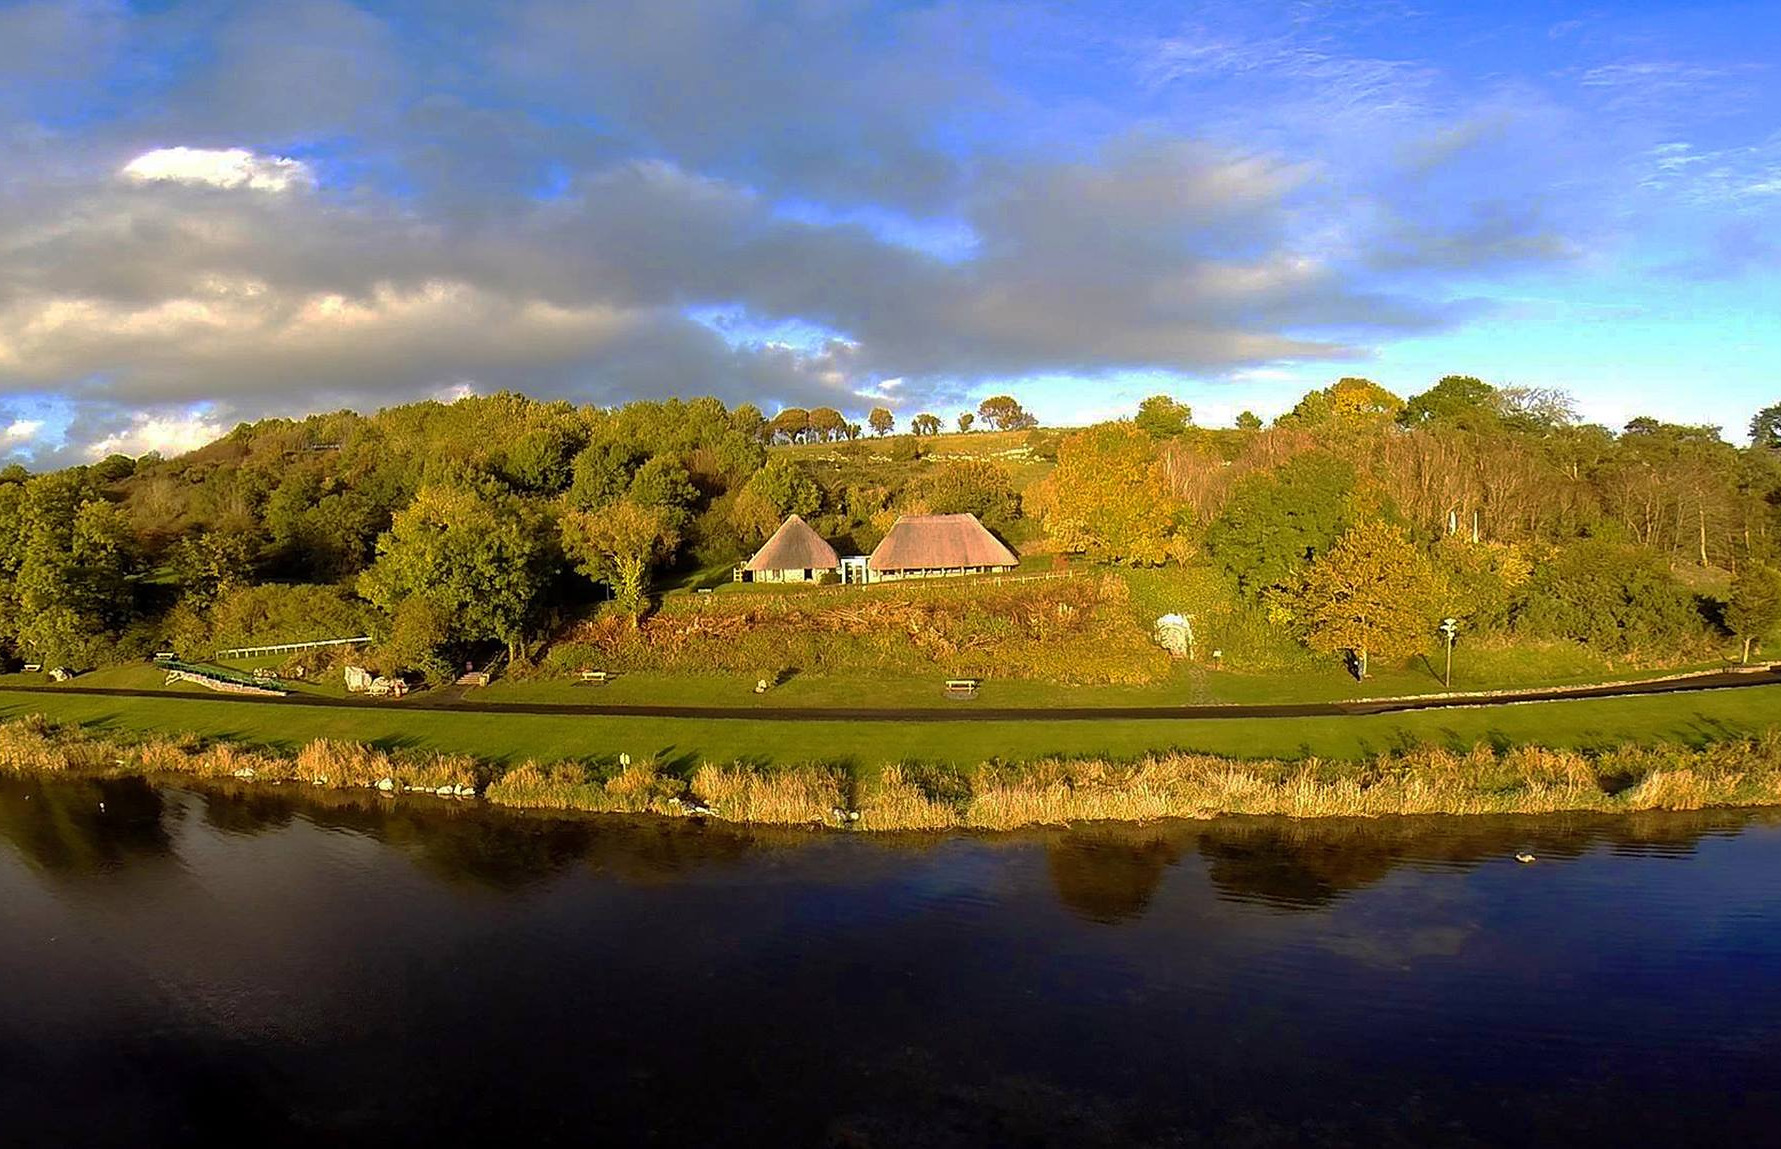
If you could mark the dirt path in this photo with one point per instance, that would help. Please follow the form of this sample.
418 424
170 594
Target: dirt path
970 711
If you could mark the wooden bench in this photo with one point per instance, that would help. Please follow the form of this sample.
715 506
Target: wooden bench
597 677
961 688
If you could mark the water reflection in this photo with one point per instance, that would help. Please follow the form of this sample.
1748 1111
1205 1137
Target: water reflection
1106 874
83 826
344 968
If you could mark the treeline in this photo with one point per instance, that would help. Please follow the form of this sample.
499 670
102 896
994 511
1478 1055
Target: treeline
1353 522
439 527
1359 519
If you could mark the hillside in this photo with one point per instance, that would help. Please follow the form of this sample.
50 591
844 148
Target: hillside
1336 538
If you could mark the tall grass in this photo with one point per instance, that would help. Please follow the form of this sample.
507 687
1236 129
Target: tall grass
994 796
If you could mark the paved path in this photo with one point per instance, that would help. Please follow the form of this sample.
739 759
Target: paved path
969 711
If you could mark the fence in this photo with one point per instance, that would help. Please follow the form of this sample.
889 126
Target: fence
289 647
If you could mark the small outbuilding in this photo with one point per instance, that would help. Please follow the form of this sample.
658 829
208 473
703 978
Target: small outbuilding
795 553
934 546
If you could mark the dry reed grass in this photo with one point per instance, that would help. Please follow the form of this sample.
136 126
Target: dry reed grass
901 797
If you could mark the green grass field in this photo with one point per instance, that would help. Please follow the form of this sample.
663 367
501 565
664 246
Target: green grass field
1693 719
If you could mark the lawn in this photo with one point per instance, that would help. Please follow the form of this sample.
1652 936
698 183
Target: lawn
1688 718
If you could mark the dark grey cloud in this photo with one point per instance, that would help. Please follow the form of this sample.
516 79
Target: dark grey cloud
544 199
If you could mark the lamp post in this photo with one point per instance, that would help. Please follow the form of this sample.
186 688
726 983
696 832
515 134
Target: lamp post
1449 628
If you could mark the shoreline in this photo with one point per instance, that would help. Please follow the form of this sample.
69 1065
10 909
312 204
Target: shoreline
992 796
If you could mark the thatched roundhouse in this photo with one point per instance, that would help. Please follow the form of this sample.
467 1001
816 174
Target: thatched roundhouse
932 546
795 553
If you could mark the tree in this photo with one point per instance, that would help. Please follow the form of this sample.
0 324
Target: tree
1107 498
619 545
827 424
965 420
1249 421
881 421
925 424
746 420
1461 400
971 486
1163 417
1765 429
1369 595
1273 524
483 560
1349 402
779 489
1005 414
602 472
540 461
793 423
664 484
1611 596
1755 607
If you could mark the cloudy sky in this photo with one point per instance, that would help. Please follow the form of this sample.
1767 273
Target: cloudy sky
216 211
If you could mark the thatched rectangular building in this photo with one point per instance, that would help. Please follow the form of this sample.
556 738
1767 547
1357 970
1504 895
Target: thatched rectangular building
933 546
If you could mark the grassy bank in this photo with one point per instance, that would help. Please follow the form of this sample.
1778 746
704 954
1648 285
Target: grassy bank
1727 758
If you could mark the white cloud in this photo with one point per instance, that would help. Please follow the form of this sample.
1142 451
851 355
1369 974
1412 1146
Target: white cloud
223 168
20 431
168 434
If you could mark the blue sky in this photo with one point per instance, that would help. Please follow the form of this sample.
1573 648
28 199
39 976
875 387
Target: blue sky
218 211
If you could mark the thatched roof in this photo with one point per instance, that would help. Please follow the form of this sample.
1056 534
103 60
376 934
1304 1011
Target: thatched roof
795 547
940 542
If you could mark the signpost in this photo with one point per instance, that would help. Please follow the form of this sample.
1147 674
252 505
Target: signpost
1449 628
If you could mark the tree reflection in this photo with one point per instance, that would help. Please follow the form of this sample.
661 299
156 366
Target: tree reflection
82 826
1109 875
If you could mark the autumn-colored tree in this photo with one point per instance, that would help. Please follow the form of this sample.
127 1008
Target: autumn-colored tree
619 545
881 420
793 423
1755 607
925 424
1107 499
1371 594
1004 413
1348 402
827 424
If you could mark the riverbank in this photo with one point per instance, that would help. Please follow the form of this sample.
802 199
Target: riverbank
990 795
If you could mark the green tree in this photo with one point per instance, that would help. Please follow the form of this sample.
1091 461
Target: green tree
602 472
1274 524
966 419
925 424
1249 421
971 486
1369 595
540 461
619 545
1163 417
1615 597
1755 607
483 560
779 489
1460 400
881 420
1765 429
1004 413
664 484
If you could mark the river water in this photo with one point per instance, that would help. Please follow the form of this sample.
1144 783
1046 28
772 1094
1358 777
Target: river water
263 967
